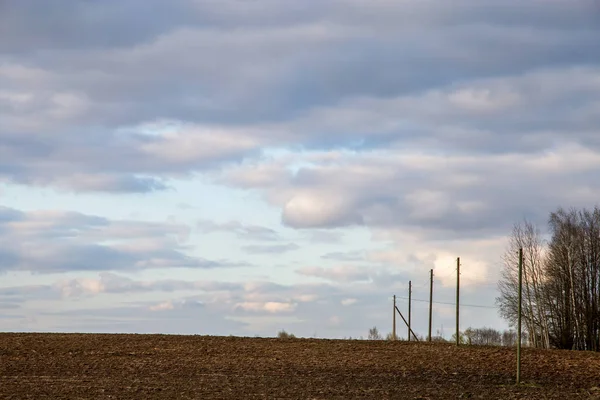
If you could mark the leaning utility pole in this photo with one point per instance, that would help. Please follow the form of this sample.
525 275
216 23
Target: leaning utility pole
406 322
409 304
394 320
519 316
457 300
430 302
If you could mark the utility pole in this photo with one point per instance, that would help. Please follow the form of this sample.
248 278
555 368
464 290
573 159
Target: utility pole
430 302
457 301
394 320
409 305
519 317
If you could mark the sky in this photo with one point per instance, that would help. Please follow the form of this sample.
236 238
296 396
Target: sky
239 167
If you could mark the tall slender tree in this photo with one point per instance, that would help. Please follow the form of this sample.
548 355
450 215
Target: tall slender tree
527 236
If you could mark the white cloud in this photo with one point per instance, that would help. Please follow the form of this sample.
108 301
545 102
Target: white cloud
307 298
167 305
316 209
349 302
77 287
337 274
192 144
273 307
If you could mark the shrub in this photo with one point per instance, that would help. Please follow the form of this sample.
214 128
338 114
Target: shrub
282 334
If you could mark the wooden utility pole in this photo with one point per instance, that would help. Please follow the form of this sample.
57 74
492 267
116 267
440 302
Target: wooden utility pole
430 302
519 316
394 320
409 304
457 301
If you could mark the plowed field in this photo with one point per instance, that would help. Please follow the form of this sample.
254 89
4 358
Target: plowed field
78 366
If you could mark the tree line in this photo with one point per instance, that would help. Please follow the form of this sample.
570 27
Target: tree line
561 280
471 336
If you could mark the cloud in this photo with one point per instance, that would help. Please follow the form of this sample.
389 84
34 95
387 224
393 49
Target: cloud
272 307
55 241
9 306
123 163
241 230
257 307
83 24
349 302
190 147
344 274
111 283
167 305
317 210
345 256
453 195
100 183
78 286
170 305
186 93
271 249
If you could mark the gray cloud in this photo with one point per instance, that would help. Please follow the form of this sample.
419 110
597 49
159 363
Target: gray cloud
452 196
49 241
361 75
241 230
111 283
337 274
271 249
9 306
345 256
80 25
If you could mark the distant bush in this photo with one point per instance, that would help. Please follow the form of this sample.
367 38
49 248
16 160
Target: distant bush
462 338
282 334
374 334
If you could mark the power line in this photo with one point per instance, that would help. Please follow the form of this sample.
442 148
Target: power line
448 303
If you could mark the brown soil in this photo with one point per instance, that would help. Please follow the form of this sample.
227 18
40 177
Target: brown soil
77 366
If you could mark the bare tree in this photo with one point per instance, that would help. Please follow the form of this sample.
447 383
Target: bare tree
483 337
527 236
574 278
561 281
374 334
509 338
